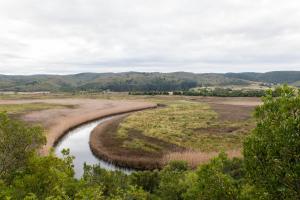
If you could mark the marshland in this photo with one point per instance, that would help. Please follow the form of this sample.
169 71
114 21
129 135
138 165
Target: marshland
138 140
149 100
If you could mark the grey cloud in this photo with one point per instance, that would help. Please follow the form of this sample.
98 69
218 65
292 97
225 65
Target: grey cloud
71 36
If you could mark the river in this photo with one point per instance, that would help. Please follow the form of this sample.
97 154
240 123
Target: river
77 140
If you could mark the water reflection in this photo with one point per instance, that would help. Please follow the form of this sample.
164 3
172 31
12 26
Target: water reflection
77 140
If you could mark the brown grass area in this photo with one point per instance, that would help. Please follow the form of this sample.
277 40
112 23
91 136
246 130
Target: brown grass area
58 121
103 143
228 109
228 112
237 101
194 158
106 145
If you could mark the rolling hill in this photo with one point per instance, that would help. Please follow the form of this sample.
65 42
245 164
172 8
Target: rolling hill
139 81
276 77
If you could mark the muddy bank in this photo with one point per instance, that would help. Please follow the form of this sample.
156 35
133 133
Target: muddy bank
107 146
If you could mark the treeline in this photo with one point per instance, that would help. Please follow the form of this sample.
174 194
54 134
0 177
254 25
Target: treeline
149 93
217 92
269 168
222 92
275 77
156 84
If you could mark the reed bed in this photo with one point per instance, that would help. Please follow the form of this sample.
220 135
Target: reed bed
196 158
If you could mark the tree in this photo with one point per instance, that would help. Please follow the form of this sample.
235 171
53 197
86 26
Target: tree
46 177
172 181
272 152
17 143
214 181
147 180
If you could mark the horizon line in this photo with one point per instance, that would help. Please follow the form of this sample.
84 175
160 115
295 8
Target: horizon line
88 72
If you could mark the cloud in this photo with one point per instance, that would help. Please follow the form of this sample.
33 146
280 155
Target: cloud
70 36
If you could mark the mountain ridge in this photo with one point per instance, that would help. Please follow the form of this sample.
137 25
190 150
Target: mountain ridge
140 81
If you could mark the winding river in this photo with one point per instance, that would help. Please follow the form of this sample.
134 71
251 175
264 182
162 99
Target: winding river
77 140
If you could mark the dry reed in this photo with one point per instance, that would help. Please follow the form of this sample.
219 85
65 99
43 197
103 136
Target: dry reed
195 158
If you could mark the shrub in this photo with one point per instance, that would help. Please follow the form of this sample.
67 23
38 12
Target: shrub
17 143
272 151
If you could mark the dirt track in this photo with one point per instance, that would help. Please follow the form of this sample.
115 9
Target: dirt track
58 121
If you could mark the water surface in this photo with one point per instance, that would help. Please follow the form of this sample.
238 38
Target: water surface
77 140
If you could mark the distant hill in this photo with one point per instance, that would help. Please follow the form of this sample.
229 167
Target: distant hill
276 77
138 81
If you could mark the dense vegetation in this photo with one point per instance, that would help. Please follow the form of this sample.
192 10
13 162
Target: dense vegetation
216 92
130 81
211 92
276 77
223 92
270 168
149 93
135 81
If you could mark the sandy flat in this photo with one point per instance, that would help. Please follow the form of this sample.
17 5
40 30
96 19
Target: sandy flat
58 121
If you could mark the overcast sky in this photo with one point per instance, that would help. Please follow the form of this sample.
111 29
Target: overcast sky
72 36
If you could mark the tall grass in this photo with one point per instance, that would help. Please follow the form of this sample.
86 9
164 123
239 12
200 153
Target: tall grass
187 124
195 158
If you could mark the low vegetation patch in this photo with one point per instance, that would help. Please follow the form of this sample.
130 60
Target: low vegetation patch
135 151
187 124
140 144
16 109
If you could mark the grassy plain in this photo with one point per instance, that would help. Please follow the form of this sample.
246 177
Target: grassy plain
194 129
192 125
18 109
188 128
58 115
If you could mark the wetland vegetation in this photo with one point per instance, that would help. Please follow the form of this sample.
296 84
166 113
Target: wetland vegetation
191 130
187 124
269 168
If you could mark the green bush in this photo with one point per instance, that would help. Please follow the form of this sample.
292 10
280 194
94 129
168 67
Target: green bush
272 152
213 183
18 142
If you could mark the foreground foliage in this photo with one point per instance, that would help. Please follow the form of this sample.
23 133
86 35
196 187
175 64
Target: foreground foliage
17 144
270 168
272 152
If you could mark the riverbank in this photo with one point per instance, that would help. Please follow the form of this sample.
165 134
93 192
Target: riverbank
127 107
73 113
106 145
194 132
58 116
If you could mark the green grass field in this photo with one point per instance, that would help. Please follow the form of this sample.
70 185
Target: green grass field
187 124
